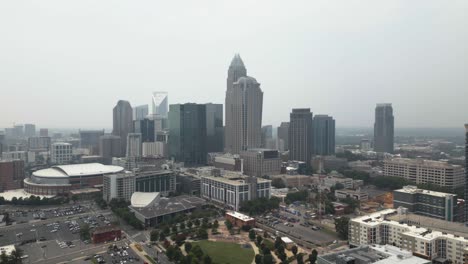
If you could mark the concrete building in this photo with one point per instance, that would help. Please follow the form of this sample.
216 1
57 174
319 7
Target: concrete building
61 153
159 104
425 171
133 145
122 123
123 185
29 130
428 203
384 128
466 173
323 164
27 156
261 162
187 129
11 174
89 139
373 254
324 135
109 147
39 144
386 227
267 134
232 191
188 183
301 138
366 145
244 104
155 149
229 162
353 194
140 112
283 136
43 132
146 128
214 128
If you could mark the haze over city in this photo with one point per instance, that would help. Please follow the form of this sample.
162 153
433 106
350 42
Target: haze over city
66 64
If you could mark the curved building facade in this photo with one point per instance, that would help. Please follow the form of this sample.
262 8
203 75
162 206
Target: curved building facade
59 180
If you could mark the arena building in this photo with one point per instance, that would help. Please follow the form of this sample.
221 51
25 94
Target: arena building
60 180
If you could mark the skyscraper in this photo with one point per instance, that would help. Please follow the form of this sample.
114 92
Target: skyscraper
89 139
383 128
159 104
214 128
187 130
109 147
324 135
134 145
267 134
146 128
283 136
244 104
140 112
29 130
123 123
466 173
301 135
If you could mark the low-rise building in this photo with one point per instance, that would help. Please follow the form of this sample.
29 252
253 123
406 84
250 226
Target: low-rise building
429 203
260 162
354 194
331 181
297 180
240 220
103 234
228 162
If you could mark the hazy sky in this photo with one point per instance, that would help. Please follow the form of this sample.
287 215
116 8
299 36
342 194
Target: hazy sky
66 63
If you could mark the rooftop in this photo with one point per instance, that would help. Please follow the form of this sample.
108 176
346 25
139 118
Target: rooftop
105 229
7 249
421 162
240 216
414 190
166 206
143 199
85 169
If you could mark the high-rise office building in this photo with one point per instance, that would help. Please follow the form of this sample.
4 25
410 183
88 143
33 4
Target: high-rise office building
109 147
244 104
187 130
140 112
324 135
146 128
43 132
61 153
2 143
466 173
29 130
214 128
18 131
283 136
38 144
134 145
301 135
123 123
267 134
383 128
159 104
89 139
11 174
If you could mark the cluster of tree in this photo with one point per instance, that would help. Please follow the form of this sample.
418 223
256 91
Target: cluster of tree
120 208
35 200
356 175
194 254
100 202
350 156
85 232
260 205
278 183
341 227
390 183
352 204
265 256
13 258
296 196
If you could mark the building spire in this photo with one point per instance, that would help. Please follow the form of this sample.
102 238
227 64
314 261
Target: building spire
237 61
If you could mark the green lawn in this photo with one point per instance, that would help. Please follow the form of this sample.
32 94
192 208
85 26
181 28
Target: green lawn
224 252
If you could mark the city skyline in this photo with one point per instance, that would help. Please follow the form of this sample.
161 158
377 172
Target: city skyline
368 52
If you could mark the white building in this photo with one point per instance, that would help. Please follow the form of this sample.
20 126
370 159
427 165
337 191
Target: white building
134 145
26 156
160 104
425 171
155 149
61 153
378 229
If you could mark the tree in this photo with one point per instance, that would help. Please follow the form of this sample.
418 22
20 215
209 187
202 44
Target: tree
267 259
202 233
154 235
166 230
197 222
16 256
278 242
85 232
300 258
252 235
228 224
189 224
259 239
197 251
294 250
296 196
265 234
207 259
258 259
162 236
74 198
215 224
278 183
188 247
313 256
339 186
341 227
174 229
170 252
182 226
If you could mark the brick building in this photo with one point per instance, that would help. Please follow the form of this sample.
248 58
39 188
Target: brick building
11 174
106 233
240 220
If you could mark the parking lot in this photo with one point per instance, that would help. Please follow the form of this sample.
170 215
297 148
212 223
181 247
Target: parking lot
34 214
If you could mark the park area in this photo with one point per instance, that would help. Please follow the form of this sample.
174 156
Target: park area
226 252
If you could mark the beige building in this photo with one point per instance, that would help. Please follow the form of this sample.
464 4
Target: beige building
379 229
261 162
425 171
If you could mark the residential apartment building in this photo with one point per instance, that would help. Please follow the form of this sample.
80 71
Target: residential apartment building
123 185
231 192
261 162
425 171
378 228
429 203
